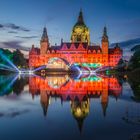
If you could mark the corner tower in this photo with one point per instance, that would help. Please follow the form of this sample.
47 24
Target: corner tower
105 42
80 32
105 47
44 42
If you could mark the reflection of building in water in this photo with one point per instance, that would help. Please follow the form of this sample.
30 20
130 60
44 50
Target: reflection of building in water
80 110
78 92
44 100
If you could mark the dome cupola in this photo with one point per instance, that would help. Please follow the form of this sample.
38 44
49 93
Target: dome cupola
80 32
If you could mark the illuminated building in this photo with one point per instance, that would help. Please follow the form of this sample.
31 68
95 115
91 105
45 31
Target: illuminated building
77 92
78 51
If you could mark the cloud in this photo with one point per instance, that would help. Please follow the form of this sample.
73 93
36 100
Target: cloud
50 19
13 32
13 45
14 27
1 26
127 45
27 37
13 114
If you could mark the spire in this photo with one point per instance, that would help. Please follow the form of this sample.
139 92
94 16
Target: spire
105 31
44 37
61 40
105 36
80 18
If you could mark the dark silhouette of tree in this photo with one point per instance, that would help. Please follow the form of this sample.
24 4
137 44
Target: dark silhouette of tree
122 65
18 59
134 62
19 85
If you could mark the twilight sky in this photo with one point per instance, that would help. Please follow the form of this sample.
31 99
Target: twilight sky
22 21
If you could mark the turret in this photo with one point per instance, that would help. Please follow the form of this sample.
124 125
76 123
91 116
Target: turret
44 42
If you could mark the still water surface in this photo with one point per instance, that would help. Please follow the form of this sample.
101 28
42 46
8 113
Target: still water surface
61 107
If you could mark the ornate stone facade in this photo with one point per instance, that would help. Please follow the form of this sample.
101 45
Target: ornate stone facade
78 51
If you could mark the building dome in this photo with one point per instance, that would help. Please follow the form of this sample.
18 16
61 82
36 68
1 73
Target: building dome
80 32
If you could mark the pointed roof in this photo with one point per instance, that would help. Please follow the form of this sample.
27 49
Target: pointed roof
105 36
44 35
105 31
80 20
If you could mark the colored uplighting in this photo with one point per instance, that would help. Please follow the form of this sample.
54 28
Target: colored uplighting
30 72
11 80
92 79
8 61
92 65
79 51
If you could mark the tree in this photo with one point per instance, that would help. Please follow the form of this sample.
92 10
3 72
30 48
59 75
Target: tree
121 65
18 59
135 59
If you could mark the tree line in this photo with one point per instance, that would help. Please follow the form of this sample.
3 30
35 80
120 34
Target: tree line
16 57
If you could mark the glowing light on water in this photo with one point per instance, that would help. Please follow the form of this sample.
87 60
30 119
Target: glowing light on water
5 67
8 61
22 72
40 68
92 78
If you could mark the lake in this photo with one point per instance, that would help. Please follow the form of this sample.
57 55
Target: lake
63 107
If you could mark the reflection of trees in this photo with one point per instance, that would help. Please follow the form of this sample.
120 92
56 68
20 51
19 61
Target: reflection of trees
9 83
19 84
5 84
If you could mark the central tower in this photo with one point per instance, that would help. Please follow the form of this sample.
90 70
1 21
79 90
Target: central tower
80 32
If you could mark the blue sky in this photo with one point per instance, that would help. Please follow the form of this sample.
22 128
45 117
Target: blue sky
22 21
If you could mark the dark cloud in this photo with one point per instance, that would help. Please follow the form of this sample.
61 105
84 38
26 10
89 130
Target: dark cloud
127 46
27 37
13 45
1 26
49 19
13 26
13 32
128 43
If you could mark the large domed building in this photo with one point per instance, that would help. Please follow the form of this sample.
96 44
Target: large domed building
80 32
78 50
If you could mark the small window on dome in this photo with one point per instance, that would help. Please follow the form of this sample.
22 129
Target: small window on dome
79 38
